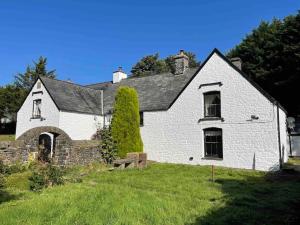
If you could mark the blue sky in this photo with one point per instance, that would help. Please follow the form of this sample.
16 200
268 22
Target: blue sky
85 41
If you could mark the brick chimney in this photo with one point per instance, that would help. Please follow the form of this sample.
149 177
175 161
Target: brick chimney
181 63
237 62
119 75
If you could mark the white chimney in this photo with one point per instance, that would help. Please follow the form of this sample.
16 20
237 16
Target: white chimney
119 75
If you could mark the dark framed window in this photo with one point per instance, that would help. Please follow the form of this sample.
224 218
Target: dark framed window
141 118
213 145
212 104
37 106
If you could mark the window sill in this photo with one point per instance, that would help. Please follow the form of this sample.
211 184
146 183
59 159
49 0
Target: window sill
212 158
211 119
37 118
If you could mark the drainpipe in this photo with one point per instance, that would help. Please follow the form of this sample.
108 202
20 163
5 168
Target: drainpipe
278 131
102 109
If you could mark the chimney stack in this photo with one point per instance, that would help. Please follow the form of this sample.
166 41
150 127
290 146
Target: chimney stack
119 75
181 62
237 62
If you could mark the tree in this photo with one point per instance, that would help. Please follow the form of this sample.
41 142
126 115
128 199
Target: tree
26 80
271 56
125 126
11 98
151 64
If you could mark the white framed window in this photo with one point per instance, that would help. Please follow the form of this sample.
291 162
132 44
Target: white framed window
212 104
37 106
213 143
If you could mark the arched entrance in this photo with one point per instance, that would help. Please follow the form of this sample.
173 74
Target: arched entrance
52 142
46 147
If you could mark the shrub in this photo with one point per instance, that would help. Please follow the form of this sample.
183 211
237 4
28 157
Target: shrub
125 125
108 146
37 181
45 176
18 167
2 181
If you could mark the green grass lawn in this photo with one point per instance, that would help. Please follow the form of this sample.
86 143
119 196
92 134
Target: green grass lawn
7 137
159 194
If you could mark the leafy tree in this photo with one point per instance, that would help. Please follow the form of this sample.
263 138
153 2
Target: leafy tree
11 97
151 64
271 56
125 126
26 80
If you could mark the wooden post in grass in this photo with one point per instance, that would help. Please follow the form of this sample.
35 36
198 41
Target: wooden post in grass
212 173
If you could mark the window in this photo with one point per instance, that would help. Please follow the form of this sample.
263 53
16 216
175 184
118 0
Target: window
141 118
213 143
212 104
37 108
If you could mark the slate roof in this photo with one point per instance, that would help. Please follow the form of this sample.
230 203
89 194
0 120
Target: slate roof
71 97
156 92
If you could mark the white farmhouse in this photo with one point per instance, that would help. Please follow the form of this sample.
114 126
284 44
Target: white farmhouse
211 115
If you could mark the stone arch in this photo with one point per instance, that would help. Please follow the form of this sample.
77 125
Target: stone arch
34 133
62 143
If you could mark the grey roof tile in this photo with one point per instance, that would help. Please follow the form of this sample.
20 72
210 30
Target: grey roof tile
71 97
156 92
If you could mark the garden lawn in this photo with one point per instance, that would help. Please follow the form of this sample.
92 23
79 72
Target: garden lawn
160 194
7 137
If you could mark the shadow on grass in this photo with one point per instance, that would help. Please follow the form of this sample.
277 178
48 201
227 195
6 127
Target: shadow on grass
5 196
273 199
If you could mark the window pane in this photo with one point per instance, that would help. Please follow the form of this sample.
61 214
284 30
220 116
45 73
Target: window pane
213 142
212 103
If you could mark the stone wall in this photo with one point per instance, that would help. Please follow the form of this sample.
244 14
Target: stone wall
13 151
66 152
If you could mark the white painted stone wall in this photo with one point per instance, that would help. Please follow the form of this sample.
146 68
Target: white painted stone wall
49 112
176 135
79 126
285 149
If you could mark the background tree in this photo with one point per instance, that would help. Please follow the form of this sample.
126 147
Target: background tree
151 64
271 56
26 80
125 126
11 97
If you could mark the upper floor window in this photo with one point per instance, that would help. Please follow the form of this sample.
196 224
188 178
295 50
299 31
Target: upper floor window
37 104
213 143
212 104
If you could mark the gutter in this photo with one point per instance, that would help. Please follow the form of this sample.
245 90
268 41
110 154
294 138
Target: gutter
278 132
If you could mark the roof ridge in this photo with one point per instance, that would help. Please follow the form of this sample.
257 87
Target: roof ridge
66 82
99 83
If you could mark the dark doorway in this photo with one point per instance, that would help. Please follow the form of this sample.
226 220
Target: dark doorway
45 146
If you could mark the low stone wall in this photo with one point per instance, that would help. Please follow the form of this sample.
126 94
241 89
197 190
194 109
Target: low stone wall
66 152
83 152
13 151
